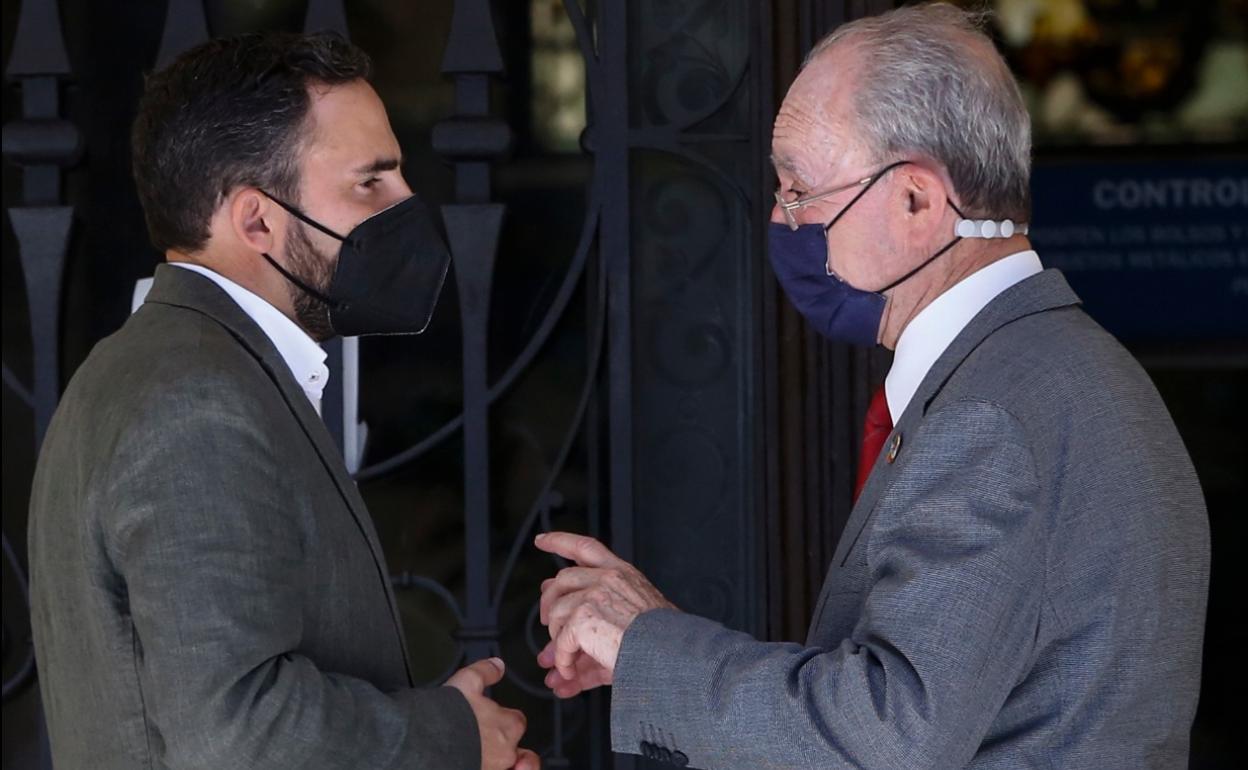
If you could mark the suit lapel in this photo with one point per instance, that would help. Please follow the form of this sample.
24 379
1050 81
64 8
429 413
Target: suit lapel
186 289
1044 291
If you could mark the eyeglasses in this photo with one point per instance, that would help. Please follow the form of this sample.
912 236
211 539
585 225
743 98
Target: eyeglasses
789 207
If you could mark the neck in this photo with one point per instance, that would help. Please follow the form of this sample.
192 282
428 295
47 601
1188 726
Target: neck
967 257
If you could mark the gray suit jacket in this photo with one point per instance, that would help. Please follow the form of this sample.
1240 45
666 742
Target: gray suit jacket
1023 586
207 587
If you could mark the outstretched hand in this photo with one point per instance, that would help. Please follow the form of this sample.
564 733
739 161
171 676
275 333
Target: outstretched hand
587 609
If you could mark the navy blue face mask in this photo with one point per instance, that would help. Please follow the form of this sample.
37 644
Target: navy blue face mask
835 309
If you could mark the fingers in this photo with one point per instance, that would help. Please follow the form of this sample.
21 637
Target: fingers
561 611
589 674
546 658
564 689
528 760
514 724
567 644
582 549
473 679
567 581
501 730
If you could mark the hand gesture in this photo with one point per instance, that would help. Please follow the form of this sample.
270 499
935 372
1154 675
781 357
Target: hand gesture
587 609
500 728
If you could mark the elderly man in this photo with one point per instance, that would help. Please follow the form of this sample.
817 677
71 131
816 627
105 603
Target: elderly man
1022 581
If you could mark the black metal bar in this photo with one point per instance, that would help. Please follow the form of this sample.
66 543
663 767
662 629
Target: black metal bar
43 244
38 46
185 27
473 226
331 399
325 15
473 231
612 159
43 145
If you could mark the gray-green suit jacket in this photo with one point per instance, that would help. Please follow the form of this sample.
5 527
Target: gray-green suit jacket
207 588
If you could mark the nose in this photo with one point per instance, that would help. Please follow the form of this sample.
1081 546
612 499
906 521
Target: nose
395 190
399 190
777 214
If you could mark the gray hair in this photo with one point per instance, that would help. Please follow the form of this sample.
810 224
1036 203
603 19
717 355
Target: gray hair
922 89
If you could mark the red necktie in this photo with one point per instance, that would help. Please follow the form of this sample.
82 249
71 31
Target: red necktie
875 432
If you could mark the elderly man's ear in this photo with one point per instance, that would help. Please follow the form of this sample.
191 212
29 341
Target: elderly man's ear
922 201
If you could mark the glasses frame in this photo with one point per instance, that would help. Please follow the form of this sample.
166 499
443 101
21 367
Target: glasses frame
788 207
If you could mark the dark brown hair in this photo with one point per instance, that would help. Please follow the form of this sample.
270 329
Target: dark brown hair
227 113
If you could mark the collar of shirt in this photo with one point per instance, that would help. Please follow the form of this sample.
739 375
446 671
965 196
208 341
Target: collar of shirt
937 325
302 355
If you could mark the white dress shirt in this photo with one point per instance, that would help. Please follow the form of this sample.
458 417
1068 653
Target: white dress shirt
302 355
931 331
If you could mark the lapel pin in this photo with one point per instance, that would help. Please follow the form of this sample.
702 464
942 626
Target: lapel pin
893 448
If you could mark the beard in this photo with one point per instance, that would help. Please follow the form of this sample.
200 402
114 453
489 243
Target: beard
316 270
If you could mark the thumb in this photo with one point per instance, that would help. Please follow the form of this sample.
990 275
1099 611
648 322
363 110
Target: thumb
478 676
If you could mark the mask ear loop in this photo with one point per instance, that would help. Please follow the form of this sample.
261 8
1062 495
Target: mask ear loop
878 176
930 259
925 263
307 220
329 303
297 214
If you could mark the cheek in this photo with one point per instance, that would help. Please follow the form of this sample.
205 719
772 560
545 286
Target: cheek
871 251
855 250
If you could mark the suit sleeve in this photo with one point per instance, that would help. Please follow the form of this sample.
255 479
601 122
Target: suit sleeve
956 562
216 576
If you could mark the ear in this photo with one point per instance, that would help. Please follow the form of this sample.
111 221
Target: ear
254 219
923 197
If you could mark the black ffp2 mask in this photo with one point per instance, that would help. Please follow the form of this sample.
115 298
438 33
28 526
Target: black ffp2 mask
390 271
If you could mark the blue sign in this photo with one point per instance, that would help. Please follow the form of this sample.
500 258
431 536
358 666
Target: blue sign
1158 251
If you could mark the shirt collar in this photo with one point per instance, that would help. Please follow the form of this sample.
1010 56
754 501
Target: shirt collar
931 331
302 355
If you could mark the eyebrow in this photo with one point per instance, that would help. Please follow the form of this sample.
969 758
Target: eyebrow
378 165
781 161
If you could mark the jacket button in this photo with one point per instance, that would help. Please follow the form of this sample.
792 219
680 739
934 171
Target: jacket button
679 759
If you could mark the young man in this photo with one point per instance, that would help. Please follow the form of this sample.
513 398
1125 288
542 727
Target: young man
207 587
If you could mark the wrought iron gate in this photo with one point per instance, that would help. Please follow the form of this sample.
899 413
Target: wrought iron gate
667 423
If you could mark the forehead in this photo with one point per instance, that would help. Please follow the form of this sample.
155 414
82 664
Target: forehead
347 124
811 136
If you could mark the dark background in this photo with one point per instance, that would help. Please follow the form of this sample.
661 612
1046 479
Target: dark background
675 404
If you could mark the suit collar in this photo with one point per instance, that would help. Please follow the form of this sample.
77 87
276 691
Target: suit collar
935 327
188 289
1040 293
303 356
1045 291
